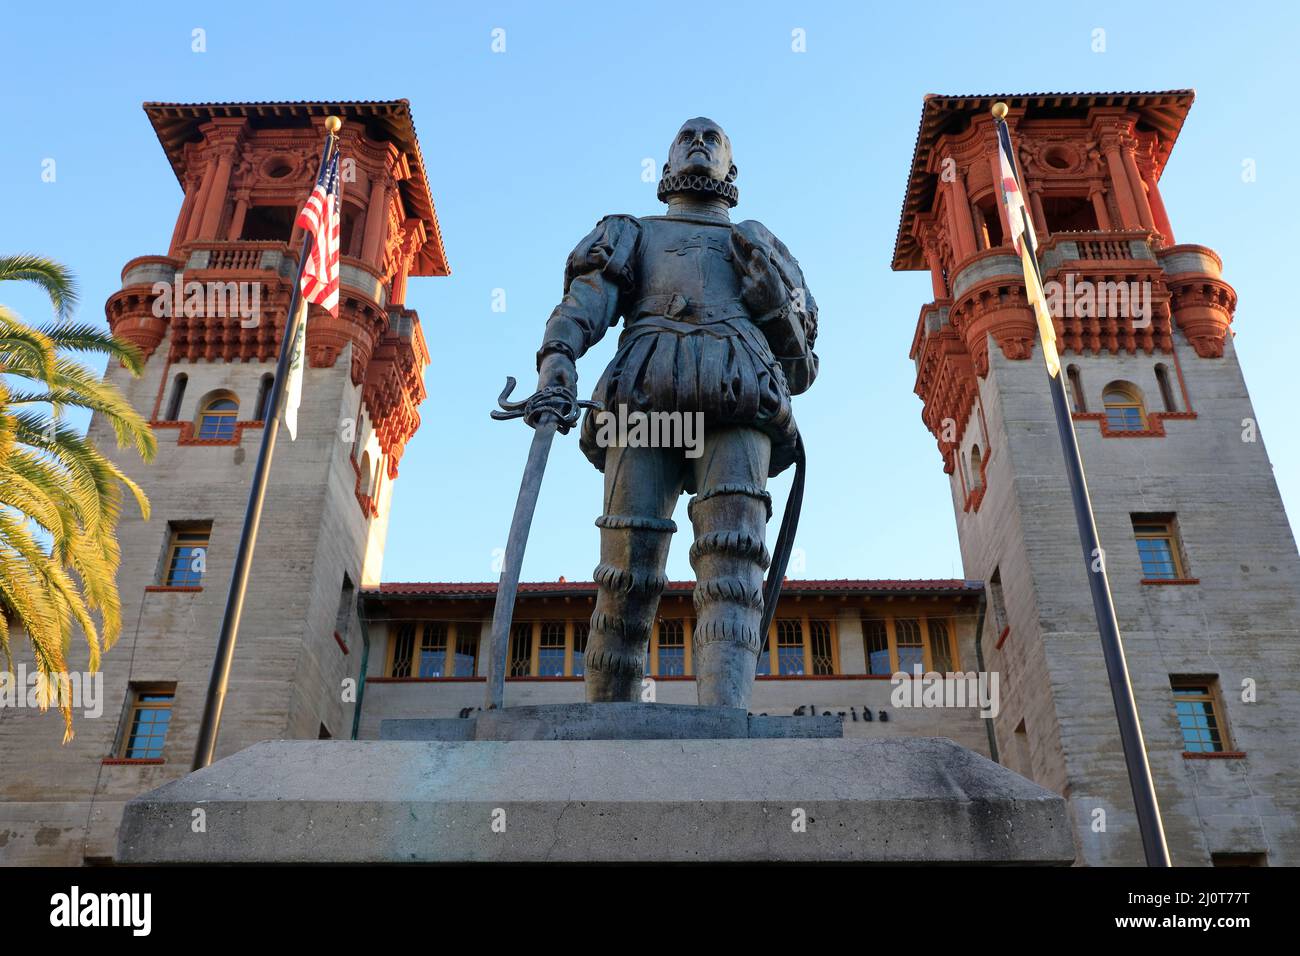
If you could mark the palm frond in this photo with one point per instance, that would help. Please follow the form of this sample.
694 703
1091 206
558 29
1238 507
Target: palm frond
54 277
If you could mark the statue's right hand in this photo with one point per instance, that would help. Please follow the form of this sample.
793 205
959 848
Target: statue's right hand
557 371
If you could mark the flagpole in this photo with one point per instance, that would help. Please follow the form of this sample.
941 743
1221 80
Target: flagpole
1145 802
219 680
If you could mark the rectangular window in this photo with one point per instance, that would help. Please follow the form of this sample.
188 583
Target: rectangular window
1158 547
343 620
433 650
789 647
875 636
268 223
466 660
907 640
403 651
187 555
672 648
764 659
151 714
550 650
580 631
997 601
1196 701
941 659
521 650
823 656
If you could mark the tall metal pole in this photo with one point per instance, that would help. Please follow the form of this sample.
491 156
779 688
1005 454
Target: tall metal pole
1112 646
1103 604
219 680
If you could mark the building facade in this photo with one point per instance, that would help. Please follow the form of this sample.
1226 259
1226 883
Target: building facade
1201 558
1200 555
208 316
832 648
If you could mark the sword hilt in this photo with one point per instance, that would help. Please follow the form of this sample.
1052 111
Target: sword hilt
555 401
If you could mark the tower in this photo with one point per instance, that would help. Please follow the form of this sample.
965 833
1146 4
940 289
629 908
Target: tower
208 316
1201 559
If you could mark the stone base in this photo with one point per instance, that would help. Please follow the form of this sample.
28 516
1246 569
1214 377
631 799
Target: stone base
898 800
610 721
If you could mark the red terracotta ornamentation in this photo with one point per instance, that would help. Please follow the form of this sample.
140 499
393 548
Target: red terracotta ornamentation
1203 306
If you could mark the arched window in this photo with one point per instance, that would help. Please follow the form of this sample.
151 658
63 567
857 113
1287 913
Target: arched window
1124 408
1076 388
367 475
178 393
264 397
976 464
1166 389
988 222
217 417
349 235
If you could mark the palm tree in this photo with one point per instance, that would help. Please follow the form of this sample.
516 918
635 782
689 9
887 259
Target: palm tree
60 496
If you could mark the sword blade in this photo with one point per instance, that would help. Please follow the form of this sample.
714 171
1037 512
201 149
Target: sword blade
508 587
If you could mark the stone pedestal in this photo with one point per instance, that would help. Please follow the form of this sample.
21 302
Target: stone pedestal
610 721
900 800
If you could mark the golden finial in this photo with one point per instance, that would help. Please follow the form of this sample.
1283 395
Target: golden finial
332 123
1000 110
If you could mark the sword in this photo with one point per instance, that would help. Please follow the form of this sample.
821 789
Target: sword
550 410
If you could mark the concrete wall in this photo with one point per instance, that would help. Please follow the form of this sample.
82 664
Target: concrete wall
1240 622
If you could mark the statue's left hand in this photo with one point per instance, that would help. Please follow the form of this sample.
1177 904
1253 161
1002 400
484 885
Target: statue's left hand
761 287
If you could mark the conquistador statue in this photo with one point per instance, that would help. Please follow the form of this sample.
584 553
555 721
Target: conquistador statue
717 322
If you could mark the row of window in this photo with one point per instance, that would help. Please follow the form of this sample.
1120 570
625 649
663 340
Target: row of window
1197 702
218 410
802 646
555 648
1122 402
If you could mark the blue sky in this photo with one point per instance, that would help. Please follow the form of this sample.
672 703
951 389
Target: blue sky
526 149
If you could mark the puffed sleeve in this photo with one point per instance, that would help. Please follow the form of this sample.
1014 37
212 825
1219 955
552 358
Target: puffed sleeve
790 330
598 272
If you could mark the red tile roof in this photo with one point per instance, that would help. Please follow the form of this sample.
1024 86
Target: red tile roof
479 589
178 123
1163 110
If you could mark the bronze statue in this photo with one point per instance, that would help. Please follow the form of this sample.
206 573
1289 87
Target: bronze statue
718 324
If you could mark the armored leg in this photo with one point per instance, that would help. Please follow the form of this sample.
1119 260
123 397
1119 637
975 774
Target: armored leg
729 514
641 489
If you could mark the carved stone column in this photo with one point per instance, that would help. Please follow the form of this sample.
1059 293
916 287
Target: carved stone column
1135 183
1119 182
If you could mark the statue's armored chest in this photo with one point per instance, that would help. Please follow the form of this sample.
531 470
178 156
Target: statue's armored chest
689 259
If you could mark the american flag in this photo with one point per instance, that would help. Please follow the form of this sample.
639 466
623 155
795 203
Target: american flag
320 217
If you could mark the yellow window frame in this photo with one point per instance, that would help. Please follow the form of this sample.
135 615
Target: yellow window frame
184 538
805 630
1160 529
927 646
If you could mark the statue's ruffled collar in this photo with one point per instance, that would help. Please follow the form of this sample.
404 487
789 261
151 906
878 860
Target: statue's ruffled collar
699 186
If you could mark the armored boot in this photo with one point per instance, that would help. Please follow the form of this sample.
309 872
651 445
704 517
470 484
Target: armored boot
630 579
729 515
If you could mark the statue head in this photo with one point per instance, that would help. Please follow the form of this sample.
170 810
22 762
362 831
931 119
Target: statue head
699 162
